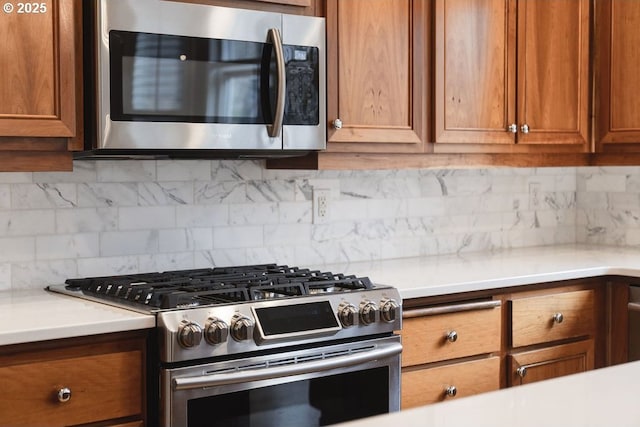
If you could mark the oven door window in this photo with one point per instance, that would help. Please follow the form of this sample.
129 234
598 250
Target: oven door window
314 402
166 78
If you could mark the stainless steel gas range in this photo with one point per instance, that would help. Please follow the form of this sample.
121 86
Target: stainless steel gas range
263 345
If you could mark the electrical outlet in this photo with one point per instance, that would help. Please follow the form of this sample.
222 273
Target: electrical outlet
321 205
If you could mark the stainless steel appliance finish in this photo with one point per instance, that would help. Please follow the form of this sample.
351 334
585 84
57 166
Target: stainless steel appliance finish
634 322
183 79
235 337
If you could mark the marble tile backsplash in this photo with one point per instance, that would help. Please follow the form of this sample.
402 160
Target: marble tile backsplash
116 217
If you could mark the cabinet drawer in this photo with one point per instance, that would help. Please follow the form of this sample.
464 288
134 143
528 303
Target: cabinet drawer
551 362
103 386
423 386
425 338
552 317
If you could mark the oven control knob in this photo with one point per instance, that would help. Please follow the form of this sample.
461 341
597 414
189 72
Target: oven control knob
368 312
389 310
216 331
241 327
189 334
347 313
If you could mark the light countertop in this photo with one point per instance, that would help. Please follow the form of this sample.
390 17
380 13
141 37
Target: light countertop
603 397
36 315
449 274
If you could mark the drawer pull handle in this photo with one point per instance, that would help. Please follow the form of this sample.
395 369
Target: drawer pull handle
558 317
64 395
452 336
521 371
451 391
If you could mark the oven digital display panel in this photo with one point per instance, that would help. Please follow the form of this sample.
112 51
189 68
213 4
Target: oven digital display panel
290 319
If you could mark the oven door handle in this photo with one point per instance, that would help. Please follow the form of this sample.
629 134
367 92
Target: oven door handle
274 128
215 380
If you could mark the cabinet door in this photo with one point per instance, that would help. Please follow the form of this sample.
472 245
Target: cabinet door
375 51
617 69
537 365
553 72
37 60
475 71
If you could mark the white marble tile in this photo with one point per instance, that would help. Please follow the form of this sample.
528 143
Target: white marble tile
208 193
83 171
183 170
236 170
82 220
5 277
145 218
16 177
347 210
17 249
287 234
126 170
238 237
293 212
220 258
67 246
43 195
282 255
107 266
27 222
107 194
202 216
5 196
165 193
271 191
256 213
606 183
166 262
120 243
185 239
39 274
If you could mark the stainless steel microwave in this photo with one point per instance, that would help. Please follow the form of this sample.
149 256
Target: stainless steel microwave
192 80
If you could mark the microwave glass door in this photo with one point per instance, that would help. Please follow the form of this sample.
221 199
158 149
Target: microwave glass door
168 78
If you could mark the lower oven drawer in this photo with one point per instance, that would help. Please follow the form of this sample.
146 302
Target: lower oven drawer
310 387
437 384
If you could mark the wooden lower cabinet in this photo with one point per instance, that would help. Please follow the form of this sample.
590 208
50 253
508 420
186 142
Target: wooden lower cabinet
518 336
431 385
551 362
78 382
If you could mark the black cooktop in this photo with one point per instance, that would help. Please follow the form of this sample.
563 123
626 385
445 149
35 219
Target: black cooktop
211 286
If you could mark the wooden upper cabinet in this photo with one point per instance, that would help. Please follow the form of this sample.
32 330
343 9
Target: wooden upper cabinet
38 70
617 70
41 85
376 69
511 73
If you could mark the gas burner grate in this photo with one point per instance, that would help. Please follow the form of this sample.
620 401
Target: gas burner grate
219 285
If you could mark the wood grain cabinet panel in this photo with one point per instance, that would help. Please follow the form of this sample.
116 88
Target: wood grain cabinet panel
552 317
426 339
376 52
37 60
106 382
551 362
511 74
441 383
617 69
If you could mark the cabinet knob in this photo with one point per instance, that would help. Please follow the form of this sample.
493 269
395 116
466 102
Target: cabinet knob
337 124
451 391
558 317
521 371
64 395
524 128
452 336
513 128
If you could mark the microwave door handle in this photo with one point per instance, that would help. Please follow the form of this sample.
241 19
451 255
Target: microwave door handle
214 380
274 128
